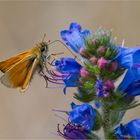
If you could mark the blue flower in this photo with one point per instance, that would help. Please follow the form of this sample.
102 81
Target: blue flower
131 129
74 132
121 132
102 90
82 115
129 58
74 37
67 65
131 83
97 104
70 70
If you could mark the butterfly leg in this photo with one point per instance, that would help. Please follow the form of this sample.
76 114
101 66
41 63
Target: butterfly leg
46 67
41 73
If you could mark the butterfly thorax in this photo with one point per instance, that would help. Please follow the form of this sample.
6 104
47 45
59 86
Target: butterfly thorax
41 51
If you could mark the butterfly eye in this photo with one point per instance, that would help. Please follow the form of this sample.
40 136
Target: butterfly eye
42 49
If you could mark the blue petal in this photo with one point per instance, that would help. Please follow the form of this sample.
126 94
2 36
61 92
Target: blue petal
121 132
72 80
131 83
133 128
74 37
86 34
83 115
69 65
73 105
129 58
97 104
75 26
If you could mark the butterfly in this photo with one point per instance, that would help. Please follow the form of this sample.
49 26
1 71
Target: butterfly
19 70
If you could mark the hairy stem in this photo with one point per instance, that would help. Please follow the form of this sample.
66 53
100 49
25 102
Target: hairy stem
106 120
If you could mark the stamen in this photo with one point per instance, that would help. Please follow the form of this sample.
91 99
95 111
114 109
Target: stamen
56 87
56 79
62 111
55 82
61 118
61 134
57 53
53 73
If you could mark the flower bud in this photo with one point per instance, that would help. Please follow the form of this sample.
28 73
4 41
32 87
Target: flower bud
94 42
83 52
102 63
101 50
114 66
84 72
109 84
93 60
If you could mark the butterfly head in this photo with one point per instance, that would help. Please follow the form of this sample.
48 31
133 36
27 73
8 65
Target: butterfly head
43 47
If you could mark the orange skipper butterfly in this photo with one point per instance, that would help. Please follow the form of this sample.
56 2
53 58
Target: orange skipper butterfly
19 70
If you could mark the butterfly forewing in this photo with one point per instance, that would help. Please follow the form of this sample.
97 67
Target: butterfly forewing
19 74
7 64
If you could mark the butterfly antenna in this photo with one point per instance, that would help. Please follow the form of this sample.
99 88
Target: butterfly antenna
62 111
65 47
43 37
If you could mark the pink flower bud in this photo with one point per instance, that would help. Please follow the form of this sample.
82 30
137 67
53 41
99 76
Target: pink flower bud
102 63
101 50
84 72
109 84
93 60
83 52
114 66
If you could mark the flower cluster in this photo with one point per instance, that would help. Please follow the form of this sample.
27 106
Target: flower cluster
80 123
102 62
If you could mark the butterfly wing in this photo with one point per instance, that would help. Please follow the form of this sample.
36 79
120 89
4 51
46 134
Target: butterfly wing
7 64
19 75
30 74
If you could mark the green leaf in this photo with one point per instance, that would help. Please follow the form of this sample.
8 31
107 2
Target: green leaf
116 117
84 97
112 136
93 136
98 121
93 69
108 53
88 85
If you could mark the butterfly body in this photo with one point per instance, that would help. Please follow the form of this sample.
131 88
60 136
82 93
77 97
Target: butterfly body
18 70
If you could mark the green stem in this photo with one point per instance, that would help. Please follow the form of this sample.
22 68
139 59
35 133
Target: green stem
106 120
